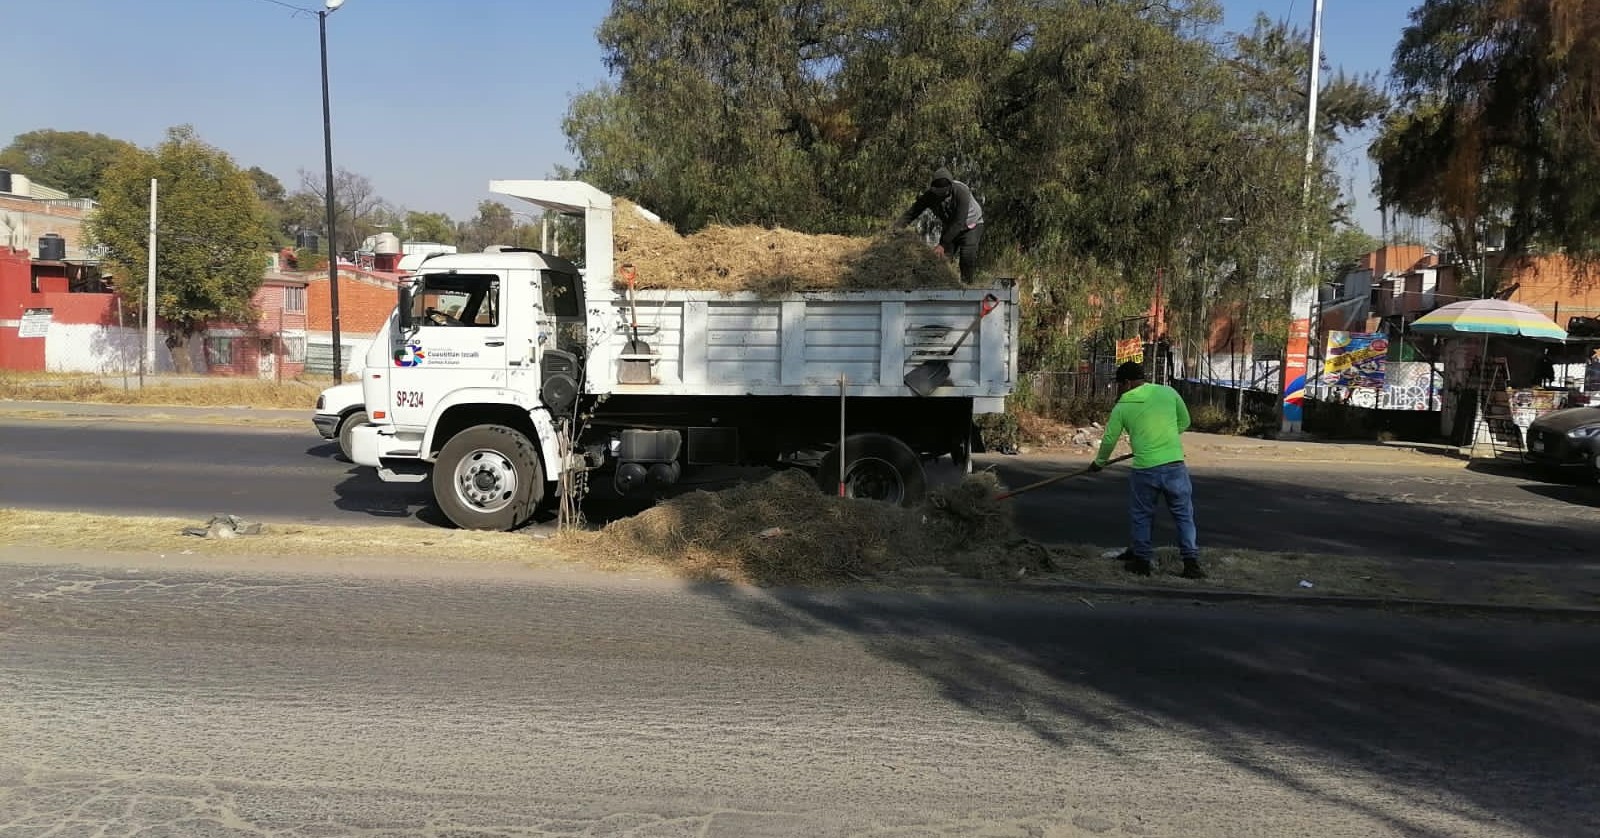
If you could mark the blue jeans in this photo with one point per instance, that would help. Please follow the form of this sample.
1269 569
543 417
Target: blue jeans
1144 487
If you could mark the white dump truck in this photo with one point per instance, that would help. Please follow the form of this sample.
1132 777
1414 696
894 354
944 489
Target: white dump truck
504 370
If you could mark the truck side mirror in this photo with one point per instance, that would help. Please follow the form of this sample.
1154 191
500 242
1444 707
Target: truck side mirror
405 308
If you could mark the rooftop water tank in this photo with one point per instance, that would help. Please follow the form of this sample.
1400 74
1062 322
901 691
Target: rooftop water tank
52 248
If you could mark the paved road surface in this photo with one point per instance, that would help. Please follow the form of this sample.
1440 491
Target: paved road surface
194 471
251 703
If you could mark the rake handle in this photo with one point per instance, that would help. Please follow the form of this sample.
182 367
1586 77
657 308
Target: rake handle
1058 478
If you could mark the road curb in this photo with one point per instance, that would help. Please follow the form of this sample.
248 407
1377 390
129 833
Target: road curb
1256 597
94 410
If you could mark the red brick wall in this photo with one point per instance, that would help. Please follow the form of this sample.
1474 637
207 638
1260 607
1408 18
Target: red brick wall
364 305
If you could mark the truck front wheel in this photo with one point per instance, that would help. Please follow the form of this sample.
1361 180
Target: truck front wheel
488 478
877 467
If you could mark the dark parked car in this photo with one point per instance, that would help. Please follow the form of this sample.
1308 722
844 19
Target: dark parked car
1569 437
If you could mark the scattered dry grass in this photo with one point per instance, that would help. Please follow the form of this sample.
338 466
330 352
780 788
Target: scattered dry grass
1245 570
772 262
209 393
784 531
110 533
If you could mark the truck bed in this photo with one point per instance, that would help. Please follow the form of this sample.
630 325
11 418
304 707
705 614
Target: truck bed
709 343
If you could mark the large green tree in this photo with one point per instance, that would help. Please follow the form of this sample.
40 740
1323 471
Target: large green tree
430 227
210 256
72 161
1496 125
1108 139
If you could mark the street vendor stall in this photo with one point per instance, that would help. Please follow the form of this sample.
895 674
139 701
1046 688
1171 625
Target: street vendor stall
1498 363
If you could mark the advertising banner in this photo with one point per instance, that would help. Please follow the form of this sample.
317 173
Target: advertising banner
1355 359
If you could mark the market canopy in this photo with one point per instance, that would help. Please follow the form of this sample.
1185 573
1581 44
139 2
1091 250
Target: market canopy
1489 317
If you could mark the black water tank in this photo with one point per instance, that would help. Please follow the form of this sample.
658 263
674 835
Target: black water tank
52 248
5 181
306 241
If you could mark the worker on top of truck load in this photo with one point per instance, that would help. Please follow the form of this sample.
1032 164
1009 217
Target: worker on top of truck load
952 203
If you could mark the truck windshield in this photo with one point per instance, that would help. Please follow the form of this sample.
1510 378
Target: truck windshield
457 300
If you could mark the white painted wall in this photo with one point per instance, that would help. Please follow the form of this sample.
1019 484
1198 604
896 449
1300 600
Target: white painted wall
108 350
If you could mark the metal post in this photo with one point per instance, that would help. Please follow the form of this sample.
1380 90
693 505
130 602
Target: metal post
1289 391
842 462
327 153
150 292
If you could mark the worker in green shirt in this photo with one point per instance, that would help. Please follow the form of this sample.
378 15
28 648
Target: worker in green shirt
1155 418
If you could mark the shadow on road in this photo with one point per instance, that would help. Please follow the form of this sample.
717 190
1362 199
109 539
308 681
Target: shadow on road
1432 514
1448 718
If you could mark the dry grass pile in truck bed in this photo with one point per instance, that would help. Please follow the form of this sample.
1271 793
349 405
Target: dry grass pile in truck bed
784 531
772 262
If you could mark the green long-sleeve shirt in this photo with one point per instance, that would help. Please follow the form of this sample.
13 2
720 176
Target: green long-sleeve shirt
1155 418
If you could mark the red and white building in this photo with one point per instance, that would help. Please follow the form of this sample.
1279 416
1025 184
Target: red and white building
58 316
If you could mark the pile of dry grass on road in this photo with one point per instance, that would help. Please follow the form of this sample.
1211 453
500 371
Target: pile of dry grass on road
771 262
784 531
245 392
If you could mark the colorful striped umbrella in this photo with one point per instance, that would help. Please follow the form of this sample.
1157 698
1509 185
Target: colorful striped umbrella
1489 317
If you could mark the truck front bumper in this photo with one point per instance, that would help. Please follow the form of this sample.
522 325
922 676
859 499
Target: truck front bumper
326 424
395 457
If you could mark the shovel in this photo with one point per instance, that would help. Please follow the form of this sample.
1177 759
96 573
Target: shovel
931 375
635 354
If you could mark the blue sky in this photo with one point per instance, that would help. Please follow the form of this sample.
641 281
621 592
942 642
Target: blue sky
431 98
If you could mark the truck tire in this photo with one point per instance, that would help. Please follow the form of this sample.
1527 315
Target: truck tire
877 467
488 478
346 427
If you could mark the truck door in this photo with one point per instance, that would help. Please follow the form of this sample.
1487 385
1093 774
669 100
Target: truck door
459 341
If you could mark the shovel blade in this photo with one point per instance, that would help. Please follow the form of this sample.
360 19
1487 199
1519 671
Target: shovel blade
928 377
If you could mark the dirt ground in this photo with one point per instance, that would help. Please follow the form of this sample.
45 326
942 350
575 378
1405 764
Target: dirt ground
1240 571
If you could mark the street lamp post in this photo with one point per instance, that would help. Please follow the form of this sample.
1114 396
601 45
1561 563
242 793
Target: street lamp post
329 7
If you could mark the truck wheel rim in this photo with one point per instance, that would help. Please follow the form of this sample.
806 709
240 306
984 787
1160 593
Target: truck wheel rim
486 480
875 479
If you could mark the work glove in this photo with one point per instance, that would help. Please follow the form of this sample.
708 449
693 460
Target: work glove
1097 466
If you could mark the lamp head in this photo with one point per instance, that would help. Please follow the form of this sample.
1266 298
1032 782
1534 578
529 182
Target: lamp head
332 5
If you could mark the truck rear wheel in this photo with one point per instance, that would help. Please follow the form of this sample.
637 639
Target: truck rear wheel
877 467
488 478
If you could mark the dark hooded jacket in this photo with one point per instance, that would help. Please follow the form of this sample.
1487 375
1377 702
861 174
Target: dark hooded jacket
951 202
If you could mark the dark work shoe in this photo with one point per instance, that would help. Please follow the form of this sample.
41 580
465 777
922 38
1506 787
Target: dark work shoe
1191 570
1125 556
1138 567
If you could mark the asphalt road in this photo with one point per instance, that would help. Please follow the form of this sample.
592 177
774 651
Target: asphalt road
1424 511
173 700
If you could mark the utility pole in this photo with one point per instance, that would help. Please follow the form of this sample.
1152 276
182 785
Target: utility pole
150 292
330 6
1293 370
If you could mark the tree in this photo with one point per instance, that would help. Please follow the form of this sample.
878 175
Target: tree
1496 124
430 227
72 161
494 224
209 259
357 208
1106 139
274 204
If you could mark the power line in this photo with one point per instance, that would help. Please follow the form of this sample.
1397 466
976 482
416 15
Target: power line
290 6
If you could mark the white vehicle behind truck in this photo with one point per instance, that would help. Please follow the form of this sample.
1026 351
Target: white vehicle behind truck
503 369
